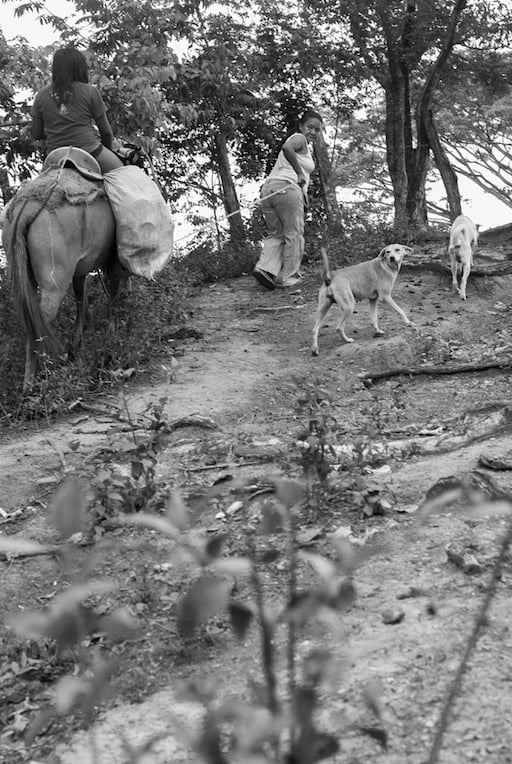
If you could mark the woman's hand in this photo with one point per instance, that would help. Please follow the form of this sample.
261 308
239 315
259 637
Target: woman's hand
301 179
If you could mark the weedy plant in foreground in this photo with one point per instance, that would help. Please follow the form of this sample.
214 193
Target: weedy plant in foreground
277 723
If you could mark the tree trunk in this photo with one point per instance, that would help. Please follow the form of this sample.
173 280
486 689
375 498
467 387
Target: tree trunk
427 134
447 172
395 151
328 188
231 204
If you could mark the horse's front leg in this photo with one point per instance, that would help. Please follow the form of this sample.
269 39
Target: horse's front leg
30 365
118 279
80 291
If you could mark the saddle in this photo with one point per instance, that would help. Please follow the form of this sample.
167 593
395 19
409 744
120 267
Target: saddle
71 156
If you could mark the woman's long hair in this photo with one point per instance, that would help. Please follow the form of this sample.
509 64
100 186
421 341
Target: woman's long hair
69 65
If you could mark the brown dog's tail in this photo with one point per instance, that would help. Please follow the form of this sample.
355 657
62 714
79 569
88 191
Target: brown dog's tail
326 271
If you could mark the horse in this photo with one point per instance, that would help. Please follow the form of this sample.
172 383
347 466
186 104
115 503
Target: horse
57 228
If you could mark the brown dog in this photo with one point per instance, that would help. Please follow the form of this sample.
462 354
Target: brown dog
372 280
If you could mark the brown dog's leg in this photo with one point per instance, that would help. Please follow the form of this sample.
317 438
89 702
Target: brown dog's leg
390 301
374 317
347 308
324 303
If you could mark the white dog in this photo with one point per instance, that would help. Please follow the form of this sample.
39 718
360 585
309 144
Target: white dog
463 241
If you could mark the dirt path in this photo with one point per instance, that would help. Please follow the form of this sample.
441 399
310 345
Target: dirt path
254 346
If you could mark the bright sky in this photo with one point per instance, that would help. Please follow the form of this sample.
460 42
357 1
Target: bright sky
28 25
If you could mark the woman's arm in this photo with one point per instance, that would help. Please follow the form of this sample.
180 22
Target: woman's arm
294 145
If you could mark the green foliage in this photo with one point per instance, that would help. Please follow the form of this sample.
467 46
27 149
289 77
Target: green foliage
207 263
134 340
125 481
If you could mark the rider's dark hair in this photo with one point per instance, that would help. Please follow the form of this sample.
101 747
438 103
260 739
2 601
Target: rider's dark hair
69 65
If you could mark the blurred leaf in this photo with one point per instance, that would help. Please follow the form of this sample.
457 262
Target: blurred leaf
233 566
137 470
325 745
213 546
260 692
315 665
372 692
270 555
102 670
176 511
325 568
209 744
118 625
376 733
67 507
290 492
70 627
241 617
69 691
14 546
488 509
342 595
304 700
272 519
306 537
198 690
303 606
145 520
349 557
38 724
206 597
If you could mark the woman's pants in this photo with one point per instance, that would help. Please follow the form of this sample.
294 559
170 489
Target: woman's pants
283 247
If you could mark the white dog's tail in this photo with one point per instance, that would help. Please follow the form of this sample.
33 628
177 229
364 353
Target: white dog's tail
326 271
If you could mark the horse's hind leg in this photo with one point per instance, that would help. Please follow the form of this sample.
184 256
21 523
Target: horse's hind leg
80 291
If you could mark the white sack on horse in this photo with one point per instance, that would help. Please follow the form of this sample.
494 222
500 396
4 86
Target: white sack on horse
144 225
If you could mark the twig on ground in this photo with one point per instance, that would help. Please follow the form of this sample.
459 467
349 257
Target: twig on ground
434 370
480 622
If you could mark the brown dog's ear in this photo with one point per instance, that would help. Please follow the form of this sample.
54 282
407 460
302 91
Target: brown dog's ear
408 250
382 252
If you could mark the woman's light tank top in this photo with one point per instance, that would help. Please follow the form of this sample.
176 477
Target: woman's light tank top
283 170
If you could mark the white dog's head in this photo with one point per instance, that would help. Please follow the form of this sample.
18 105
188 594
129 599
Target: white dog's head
393 255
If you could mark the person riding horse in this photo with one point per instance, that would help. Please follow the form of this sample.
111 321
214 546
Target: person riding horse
63 112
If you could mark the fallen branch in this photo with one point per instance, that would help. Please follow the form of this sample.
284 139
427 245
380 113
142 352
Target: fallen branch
438 266
51 550
276 308
194 420
461 368
228 465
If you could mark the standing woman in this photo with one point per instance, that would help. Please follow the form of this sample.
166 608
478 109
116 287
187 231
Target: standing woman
283 197
63 112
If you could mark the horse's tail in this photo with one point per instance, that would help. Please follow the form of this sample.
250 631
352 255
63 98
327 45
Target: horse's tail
24 288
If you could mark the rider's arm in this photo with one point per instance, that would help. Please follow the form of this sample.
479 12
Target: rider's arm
105 131
37 126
